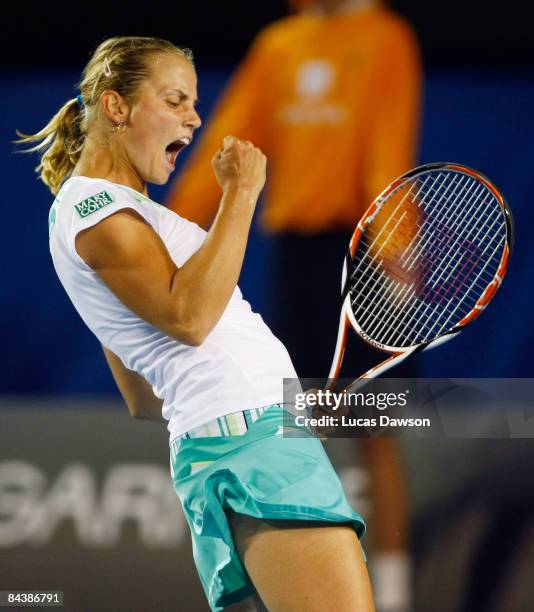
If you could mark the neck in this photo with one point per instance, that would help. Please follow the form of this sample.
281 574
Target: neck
98 161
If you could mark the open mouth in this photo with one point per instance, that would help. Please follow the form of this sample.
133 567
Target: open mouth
172 150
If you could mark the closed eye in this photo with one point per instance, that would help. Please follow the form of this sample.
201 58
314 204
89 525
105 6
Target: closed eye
176 104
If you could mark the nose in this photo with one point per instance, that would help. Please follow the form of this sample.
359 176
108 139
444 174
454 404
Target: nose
193 119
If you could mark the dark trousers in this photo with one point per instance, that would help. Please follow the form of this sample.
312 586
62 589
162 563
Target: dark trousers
305 287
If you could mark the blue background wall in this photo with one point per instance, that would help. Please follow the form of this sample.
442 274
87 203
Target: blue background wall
480 119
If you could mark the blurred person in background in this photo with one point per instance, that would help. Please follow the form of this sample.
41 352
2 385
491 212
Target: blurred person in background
183 346
332 95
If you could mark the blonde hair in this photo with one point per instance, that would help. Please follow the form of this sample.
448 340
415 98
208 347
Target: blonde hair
120 64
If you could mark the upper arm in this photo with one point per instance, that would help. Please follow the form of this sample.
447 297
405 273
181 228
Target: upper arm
132 260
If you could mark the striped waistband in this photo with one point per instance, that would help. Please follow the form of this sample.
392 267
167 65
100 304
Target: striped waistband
235 424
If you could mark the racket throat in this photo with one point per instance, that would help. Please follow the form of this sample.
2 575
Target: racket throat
341 343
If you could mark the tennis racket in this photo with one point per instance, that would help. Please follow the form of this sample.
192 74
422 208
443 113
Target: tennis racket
425 260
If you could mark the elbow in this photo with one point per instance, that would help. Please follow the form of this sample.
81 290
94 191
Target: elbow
191 329
138 414
194 337
134 411
195 340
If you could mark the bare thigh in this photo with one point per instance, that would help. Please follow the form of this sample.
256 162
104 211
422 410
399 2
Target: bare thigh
303 566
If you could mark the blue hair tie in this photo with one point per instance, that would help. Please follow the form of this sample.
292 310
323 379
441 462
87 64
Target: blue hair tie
80 101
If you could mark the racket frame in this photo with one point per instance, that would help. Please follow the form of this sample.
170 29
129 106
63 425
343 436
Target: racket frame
399 354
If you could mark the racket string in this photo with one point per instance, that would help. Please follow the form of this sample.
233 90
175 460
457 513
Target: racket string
392 316
429 325
450 245
433 258
402 295
399 204
365 253
422 318
440 226
400 305
468 294
497 249
412 251
429 298
409 332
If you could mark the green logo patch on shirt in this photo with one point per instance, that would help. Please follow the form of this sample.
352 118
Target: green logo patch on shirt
92 204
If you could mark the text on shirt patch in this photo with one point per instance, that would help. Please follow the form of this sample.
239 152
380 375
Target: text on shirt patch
93 203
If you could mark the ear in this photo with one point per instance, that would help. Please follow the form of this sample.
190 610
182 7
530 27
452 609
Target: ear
114 106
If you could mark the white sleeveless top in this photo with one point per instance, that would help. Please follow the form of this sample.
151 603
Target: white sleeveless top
240 365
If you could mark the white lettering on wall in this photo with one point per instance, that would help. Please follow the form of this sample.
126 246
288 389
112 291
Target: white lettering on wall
32 508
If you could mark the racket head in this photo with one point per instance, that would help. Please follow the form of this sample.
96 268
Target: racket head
426 257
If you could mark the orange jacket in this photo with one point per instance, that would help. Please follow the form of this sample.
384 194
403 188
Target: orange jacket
334 104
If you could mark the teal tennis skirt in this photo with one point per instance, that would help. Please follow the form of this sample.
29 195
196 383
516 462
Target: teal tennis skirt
244 462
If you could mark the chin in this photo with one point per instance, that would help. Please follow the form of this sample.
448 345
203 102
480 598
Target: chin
158 179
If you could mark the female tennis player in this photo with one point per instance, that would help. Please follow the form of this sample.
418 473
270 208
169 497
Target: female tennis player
268 516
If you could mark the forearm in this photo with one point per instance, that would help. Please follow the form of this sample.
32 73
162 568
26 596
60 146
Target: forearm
203 286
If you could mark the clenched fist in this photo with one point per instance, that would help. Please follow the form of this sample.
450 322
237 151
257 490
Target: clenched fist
239 164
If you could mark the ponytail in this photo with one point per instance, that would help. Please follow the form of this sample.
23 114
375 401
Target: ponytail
62 142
